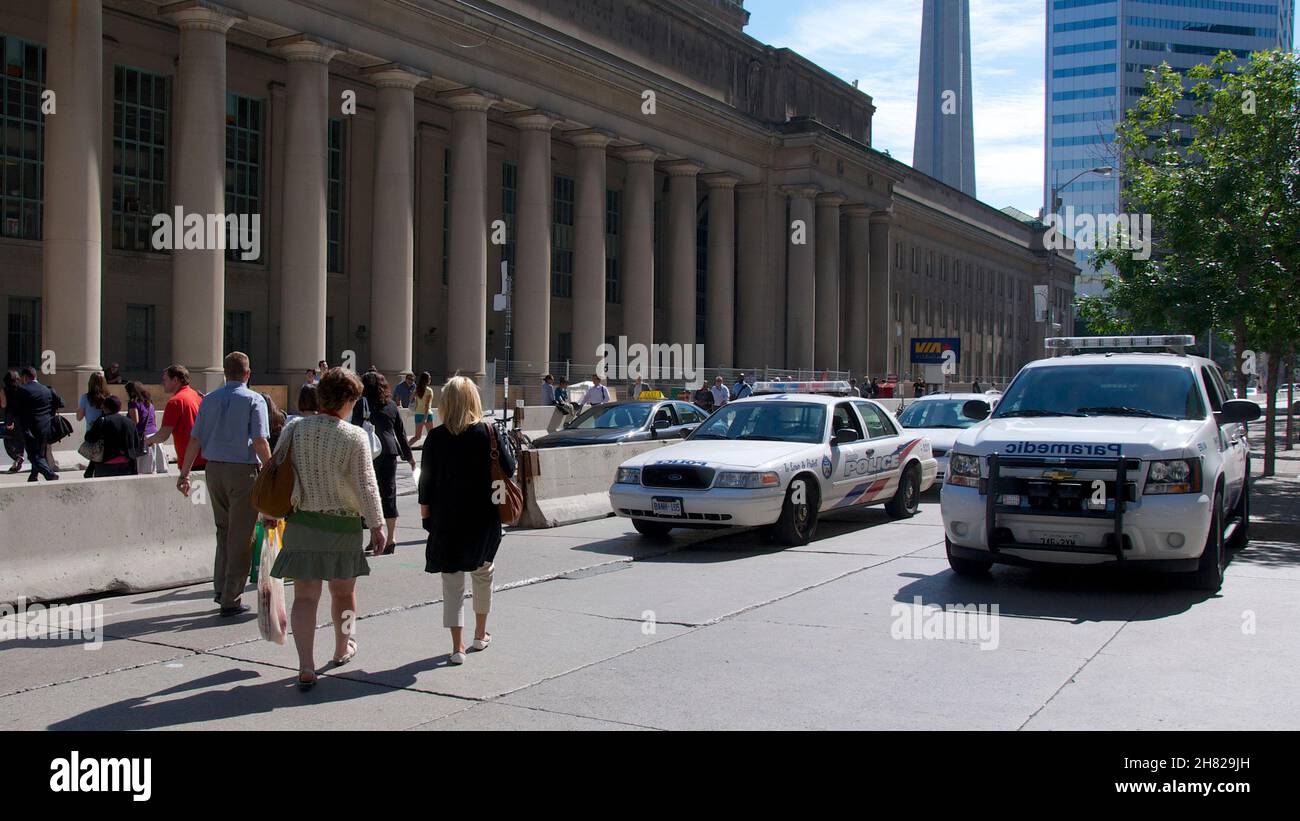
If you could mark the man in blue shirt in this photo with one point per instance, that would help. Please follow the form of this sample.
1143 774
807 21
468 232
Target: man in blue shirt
741 389
231 430
405 390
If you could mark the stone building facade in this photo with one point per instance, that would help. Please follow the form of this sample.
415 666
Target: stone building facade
646 159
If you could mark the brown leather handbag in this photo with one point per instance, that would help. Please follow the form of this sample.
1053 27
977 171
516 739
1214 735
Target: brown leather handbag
273 489
506 494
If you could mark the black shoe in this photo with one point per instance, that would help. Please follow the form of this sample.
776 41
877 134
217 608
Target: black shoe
237 610
217 598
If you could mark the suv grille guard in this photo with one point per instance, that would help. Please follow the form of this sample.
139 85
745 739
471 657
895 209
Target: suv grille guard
990 488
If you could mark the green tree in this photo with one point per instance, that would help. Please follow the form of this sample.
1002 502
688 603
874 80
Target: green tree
1220 177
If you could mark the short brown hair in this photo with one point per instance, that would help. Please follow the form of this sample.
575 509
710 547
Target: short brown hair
236 365
307 399
179 373
337 388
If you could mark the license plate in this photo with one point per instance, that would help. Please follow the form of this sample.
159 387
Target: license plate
666 507
1063 539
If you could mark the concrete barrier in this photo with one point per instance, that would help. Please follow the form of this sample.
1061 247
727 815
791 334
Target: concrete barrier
567 485
76 536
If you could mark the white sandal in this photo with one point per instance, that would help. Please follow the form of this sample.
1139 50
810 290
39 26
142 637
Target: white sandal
482 644
456 658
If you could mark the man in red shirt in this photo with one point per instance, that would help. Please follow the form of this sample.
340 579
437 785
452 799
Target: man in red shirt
179 413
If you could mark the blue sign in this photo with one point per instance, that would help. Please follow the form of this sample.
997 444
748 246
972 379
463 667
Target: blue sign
930 351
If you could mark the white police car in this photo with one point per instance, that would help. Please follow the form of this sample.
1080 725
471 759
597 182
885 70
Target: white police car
1133 458
939 418
780 461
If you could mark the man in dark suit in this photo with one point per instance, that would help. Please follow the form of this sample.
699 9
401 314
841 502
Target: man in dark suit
37 405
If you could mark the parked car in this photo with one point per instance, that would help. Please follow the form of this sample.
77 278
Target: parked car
628 421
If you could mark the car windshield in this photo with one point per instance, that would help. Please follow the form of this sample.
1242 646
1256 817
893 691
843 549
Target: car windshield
612 417
772 421
1104 389
935 413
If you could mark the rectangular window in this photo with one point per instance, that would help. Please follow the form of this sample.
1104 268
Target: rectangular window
509 207
334 200
24 331
564 347
244 121
446 209
22 138
239 331
329 340
562 240
139 338
613 212
141 102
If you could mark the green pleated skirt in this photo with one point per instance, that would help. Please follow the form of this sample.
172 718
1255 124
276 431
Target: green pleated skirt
321 546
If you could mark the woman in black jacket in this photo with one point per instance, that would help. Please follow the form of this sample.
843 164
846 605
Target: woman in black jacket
458 504
12 434
121 441
387 419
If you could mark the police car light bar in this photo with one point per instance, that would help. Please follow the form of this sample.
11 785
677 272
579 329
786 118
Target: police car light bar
834 387
1056 343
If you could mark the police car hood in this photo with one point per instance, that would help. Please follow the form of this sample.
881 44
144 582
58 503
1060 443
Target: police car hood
1099 436
722 453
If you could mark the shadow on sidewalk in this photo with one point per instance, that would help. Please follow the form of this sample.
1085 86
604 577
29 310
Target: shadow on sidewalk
1274 524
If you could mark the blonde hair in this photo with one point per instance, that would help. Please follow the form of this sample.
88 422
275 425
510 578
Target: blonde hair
460 406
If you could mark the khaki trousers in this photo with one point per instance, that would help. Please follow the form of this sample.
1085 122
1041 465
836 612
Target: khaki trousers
453 594
230 487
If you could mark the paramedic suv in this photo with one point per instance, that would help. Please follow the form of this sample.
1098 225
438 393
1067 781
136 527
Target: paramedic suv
1138 459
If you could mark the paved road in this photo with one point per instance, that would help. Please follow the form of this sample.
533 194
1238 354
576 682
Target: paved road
743 636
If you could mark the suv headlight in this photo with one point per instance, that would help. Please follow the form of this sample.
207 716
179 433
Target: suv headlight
628 476
963 469
730 478
1173 476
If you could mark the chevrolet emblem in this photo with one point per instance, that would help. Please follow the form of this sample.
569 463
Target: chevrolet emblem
1059 475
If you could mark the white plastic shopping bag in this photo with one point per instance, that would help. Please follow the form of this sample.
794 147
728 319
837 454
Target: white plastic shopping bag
272 617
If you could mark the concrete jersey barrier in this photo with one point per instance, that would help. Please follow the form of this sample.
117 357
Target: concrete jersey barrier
567 485
80 536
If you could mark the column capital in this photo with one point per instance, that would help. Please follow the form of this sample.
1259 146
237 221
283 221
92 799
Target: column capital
830 200
468 99
857 210
638 154
720 179
883 217
803 192
589 137
305 48
533 119
682 168
202 15
395 75
751 189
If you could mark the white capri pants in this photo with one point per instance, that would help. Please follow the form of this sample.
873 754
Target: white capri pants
453 594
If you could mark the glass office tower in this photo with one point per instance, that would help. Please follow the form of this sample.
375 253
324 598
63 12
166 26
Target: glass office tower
1097 51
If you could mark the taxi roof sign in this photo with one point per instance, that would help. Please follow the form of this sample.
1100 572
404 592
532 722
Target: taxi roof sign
1177 341
834 387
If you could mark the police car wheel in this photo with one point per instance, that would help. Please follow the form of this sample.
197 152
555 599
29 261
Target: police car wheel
656 530
1209 572
965 567
908 496
798 522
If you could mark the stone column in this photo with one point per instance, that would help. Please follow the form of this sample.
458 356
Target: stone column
828 282
859 296
881 325
72 234
679 251
637 254
199 275
531 345
392 249
752 299
589 245
467 228
721 284
306 143
801 281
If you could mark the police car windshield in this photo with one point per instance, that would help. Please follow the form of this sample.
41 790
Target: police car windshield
935 413
610 417
776 421
1104 389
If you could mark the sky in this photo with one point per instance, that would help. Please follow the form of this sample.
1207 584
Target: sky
878 43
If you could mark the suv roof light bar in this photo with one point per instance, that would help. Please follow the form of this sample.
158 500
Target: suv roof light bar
833 387
1060 344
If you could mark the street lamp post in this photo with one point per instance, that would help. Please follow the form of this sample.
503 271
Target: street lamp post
1101 170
